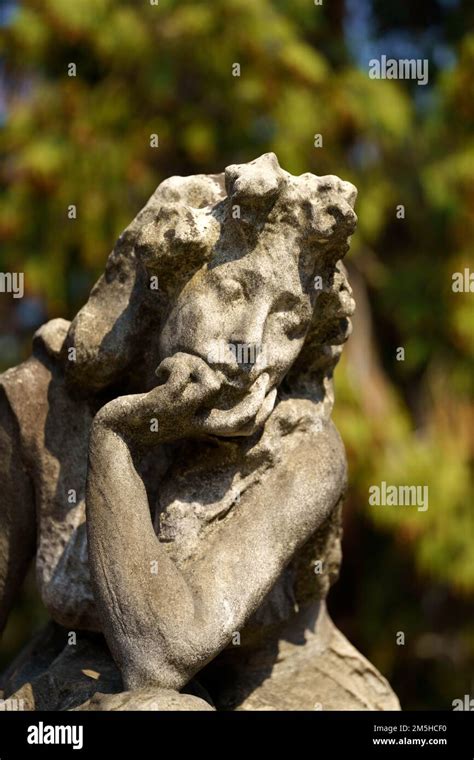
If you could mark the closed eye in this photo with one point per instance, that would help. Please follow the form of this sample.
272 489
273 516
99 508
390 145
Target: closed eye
231 289
287 302
291 322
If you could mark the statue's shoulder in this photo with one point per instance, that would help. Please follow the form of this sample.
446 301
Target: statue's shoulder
24 388
48 340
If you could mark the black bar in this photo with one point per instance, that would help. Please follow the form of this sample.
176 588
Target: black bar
141 734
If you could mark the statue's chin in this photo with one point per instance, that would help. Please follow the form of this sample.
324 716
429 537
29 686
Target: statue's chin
265 411
246 417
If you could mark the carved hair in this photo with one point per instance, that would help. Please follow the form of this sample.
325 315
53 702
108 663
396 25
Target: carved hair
182 227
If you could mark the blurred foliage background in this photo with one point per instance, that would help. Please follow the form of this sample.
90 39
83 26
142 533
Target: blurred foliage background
166 69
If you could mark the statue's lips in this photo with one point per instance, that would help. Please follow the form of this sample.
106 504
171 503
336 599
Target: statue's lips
241 387
231 385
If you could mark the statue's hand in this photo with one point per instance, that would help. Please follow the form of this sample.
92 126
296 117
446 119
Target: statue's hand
169 411
185 404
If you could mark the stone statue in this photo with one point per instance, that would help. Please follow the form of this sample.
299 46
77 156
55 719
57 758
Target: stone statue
170 460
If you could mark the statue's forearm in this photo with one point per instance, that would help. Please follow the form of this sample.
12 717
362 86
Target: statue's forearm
140 592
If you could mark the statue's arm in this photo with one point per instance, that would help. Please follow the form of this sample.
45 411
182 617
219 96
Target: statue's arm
163 625
17 511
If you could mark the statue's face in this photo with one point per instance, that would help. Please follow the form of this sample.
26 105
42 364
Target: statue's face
247 318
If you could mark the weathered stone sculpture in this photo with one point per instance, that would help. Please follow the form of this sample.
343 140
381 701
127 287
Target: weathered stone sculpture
186 409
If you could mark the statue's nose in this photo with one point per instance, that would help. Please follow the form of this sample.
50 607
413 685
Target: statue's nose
245 344
241 355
